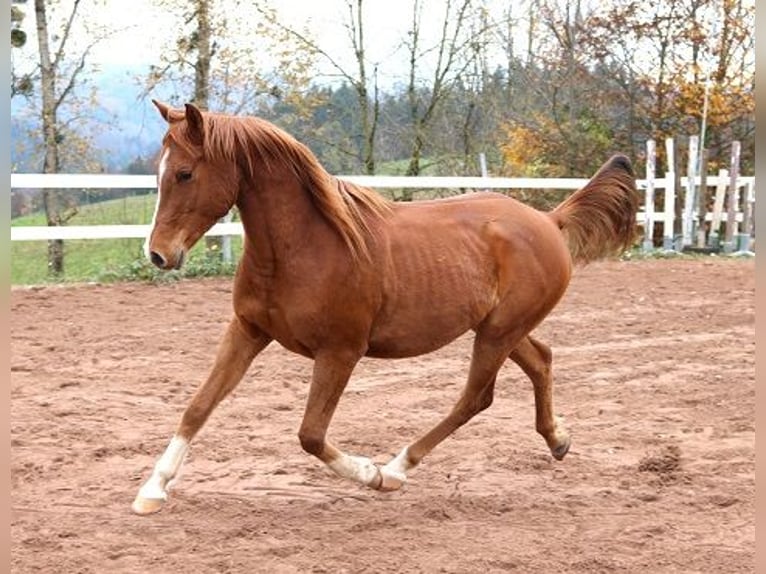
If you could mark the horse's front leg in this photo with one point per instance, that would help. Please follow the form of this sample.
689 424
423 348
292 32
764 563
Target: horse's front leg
331 373
235 353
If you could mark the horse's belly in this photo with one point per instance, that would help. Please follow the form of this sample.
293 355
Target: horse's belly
433 296
409 346
411 330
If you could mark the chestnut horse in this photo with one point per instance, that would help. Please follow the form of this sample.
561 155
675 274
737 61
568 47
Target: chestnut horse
335 272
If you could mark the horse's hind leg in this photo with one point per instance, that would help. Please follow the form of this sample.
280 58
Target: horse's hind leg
534 358
236 351
488 356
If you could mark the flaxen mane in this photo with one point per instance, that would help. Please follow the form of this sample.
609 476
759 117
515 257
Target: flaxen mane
256 144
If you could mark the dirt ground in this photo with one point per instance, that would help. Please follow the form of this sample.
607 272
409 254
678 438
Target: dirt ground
654 365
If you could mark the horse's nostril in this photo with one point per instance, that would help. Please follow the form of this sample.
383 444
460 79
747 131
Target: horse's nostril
158 259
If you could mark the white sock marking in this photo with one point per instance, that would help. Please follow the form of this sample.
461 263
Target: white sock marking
166 469
357 468
400 464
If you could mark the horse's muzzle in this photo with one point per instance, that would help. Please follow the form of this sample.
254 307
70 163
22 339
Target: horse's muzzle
167 263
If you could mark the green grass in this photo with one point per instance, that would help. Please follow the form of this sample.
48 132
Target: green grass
105 259
130 210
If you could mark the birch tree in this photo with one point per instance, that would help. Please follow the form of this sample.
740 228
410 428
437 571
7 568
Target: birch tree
62 68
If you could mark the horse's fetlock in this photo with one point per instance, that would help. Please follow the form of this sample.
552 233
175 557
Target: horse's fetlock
545 430
194 417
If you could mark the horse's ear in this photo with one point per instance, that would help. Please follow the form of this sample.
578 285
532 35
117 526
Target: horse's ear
196 124
163 108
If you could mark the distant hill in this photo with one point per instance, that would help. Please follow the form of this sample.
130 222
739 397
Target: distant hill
123 126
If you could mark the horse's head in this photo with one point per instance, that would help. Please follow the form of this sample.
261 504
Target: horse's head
193 190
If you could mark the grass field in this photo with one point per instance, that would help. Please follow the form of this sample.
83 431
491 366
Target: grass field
97 260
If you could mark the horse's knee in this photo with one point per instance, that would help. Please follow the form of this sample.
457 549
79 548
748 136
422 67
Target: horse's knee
311 442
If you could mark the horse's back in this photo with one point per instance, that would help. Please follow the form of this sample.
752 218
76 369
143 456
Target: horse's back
479 228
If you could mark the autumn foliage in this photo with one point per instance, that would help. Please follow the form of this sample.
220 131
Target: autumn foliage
615 77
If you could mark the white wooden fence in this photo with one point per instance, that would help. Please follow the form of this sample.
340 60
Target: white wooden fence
647 216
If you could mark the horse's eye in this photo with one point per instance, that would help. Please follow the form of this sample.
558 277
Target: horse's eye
183 176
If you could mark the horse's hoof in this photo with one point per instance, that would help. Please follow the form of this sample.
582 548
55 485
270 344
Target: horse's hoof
143 506
390 480
560 451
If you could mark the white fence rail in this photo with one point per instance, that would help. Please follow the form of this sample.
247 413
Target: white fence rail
110 181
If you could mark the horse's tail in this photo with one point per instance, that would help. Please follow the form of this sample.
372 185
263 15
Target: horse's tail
599 219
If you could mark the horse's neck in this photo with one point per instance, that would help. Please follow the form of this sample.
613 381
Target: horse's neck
279 218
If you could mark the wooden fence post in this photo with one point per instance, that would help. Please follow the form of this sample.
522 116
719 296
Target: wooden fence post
676 207
669 206
702 199
691 177
731 220
746 228
651 157
714 240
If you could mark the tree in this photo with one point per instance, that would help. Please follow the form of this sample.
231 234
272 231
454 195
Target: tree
567 127
576 108
690 43
200 40
226 64
58 77
611 79
454 50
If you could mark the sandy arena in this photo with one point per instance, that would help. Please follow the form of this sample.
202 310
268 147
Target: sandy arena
654 373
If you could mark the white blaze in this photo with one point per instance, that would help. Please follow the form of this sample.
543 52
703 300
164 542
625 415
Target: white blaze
160 173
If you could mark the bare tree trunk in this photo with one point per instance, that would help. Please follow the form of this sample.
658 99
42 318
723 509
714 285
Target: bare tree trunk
372 126
369 117
202 65
534 8
51 199
413 168
57 83
213 244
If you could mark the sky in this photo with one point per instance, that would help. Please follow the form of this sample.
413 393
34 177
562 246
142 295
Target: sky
143 28
386 22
